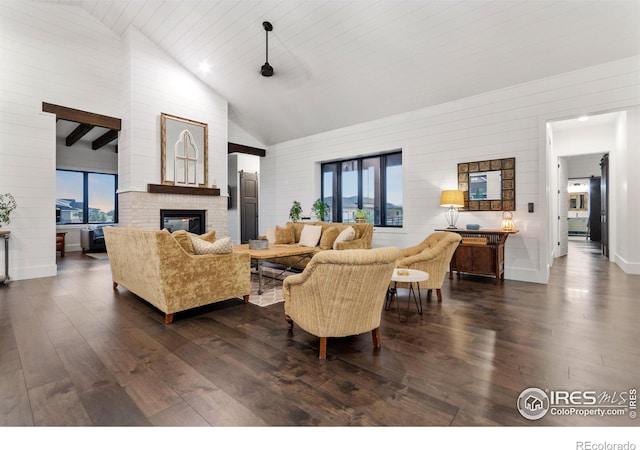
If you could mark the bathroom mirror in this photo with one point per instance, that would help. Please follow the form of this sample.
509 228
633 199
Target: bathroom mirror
579 201
488 185
184 151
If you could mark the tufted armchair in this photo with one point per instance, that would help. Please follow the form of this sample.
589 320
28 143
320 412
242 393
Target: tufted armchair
432 256
340 293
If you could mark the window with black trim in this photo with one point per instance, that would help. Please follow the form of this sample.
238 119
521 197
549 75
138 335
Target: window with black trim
371 186
86 197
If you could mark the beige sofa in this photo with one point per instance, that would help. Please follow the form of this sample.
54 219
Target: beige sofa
156 267
363 239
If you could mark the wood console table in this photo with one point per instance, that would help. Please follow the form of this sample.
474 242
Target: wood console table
483 256
4 279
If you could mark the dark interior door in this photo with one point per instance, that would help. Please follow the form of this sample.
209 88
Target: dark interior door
248 206
604 207
594 209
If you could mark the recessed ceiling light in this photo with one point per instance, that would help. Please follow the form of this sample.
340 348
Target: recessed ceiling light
205 67
583 118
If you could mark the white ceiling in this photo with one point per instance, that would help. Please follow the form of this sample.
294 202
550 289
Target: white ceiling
343 62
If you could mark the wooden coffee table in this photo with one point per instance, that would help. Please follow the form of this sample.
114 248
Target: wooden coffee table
272 253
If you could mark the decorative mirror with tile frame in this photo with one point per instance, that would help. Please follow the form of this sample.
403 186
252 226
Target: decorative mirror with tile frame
488 185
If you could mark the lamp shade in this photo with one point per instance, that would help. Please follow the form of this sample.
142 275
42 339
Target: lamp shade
452 198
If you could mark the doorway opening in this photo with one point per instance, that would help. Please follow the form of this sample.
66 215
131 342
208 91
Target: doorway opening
579 150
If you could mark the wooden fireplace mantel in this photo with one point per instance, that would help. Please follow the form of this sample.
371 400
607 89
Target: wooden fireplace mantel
183 190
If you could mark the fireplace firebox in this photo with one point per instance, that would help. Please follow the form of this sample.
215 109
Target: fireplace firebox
191 220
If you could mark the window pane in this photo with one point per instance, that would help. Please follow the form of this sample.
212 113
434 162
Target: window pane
394 190
371 189
69 197
349 190
329 187
102 206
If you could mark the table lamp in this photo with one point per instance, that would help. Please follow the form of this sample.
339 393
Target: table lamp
452 200
507 221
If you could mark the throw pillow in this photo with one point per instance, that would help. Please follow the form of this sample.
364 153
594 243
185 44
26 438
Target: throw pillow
348 234
328 238
285 235
202 247
271 235
310 235
184 240
209 236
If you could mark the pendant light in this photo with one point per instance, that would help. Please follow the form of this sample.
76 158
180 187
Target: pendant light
266 69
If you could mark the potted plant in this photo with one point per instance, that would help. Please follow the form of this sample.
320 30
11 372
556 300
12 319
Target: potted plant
361 216
320 209
7 204
295 211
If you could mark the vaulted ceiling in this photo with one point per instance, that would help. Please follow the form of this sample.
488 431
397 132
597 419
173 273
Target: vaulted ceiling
343 62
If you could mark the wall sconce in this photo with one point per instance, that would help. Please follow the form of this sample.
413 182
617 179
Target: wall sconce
507 221
452 200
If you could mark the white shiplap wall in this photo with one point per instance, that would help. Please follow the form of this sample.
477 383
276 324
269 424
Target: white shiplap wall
157 84
54 54
62 55
505 123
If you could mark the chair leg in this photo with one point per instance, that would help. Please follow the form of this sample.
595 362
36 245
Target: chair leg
289 322
168 318
323 348
375 333
246 298
439 294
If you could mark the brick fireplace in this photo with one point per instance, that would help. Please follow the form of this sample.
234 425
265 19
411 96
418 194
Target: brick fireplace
142 209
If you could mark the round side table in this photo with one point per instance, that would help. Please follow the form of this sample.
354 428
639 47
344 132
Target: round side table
406 276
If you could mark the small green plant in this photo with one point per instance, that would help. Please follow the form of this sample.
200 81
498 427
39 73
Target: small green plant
320 209
361 214
295 212
7 204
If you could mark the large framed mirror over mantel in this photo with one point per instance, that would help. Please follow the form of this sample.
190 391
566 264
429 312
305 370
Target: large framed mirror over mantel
488 185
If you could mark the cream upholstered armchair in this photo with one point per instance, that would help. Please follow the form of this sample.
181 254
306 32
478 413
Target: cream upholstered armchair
433 256
340 293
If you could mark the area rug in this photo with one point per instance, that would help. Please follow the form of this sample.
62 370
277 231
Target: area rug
97 255
271 288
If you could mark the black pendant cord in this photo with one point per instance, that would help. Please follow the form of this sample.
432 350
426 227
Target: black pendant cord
267 47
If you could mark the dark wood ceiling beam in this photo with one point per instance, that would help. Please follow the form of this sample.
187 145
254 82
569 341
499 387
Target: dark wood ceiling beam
238 148
77 134
75 115
103 140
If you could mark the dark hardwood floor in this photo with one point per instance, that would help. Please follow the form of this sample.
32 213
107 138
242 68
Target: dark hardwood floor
74 352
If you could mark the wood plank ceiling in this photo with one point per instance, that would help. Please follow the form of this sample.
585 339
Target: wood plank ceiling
343 62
